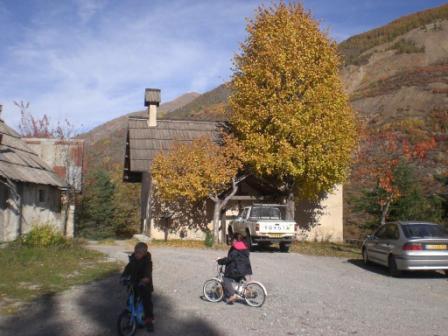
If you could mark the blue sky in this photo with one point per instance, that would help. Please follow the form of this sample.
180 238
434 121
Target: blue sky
90 60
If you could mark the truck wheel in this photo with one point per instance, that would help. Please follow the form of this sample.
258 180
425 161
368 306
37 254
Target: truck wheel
284 248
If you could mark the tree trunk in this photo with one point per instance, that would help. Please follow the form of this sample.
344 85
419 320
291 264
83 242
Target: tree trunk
223 226
290 206
165 232
216 217
385 212
220 204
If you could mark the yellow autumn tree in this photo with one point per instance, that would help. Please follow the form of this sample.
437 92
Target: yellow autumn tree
289 110
189 174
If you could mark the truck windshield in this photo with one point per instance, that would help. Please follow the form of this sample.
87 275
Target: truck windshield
424 231
265 213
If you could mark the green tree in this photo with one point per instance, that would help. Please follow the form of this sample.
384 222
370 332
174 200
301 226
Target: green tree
411 202
126 204
96 215
289 110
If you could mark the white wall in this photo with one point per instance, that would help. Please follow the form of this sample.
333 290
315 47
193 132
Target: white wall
33 211
322 221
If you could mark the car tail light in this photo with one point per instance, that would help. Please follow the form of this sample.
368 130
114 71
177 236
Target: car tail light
412 247
257 227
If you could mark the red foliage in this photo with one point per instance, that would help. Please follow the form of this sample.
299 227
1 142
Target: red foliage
34 127
382 151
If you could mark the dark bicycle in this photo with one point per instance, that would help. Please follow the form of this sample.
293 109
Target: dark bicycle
132 317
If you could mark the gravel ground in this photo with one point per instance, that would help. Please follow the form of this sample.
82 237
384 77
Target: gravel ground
307 296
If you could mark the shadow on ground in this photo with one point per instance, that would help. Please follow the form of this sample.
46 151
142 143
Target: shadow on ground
404 275
94 311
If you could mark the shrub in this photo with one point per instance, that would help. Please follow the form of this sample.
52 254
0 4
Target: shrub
208 239
44 235
403 46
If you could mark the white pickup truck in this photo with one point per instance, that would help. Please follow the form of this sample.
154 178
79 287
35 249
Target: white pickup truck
264 224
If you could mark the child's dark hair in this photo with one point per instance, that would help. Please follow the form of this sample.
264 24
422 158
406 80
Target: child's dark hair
238 237
141 247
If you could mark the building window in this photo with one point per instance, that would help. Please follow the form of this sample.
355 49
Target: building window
42 196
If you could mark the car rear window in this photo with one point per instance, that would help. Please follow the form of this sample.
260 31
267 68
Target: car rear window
424 231
265 213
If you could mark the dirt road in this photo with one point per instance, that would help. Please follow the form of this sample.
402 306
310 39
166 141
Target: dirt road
307 296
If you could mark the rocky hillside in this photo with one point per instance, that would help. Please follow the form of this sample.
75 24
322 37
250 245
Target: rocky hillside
406 77
105 143
208 106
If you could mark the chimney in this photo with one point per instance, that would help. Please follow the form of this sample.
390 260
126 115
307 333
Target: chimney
152 101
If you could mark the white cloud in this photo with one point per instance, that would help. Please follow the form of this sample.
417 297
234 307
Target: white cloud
91 75
88 8
90 61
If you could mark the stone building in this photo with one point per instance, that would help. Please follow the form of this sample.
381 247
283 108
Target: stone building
147 136
30 191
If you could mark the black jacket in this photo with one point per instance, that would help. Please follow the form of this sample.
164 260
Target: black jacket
237 263
139 269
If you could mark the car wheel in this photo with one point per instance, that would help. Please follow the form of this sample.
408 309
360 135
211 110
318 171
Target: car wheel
365 257
393 269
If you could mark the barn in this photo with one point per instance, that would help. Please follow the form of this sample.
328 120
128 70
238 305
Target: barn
30 191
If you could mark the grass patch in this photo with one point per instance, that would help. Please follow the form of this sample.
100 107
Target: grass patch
197 244
325 249
28 272
307 248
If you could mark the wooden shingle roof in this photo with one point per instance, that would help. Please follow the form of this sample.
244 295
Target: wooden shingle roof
19 163
144 142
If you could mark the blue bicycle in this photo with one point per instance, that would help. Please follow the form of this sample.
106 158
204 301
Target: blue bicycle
132 317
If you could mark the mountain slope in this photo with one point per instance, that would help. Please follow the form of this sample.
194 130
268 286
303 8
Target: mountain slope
208 106
353 48
395 70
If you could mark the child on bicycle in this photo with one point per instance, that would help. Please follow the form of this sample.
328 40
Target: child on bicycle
237 265
139 270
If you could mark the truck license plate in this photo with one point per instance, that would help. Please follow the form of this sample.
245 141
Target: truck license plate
276 235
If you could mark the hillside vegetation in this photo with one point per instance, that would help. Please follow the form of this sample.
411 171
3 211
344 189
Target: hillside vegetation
355 46
208 106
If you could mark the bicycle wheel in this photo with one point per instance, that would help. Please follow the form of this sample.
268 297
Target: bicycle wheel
213 290
254 295
126 324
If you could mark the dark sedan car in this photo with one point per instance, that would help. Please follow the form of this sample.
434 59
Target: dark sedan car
408 246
